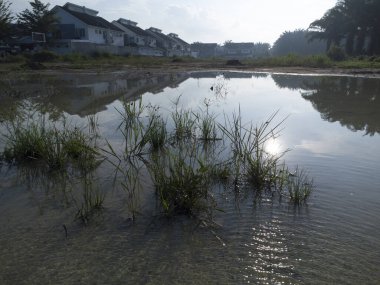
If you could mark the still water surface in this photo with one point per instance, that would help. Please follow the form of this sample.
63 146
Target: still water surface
332 130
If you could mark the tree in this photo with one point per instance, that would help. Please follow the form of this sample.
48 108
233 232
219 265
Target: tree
5 19
40 19
329 28
297 42
352 23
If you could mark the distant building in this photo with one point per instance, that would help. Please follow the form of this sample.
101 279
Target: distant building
180 45
172 45
204 50
239 50
83 24
137 37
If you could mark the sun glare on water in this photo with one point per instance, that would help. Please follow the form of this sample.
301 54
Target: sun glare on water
273 147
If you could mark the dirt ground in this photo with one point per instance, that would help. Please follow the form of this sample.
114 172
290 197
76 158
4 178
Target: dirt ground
129 71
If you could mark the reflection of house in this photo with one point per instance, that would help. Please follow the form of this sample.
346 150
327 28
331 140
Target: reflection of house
135 36
84 24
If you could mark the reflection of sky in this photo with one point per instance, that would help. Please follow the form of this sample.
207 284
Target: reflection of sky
319 145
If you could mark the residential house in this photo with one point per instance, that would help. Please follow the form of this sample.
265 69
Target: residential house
137 37
168 44
181 47
204 50
238 50
83 24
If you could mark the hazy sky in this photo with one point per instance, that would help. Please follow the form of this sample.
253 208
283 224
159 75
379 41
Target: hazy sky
209 20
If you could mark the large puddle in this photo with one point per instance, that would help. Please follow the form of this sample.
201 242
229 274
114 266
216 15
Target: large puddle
332 129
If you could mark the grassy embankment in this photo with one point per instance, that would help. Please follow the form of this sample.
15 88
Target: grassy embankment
45 59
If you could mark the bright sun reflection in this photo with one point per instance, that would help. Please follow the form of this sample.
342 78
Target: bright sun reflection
273 147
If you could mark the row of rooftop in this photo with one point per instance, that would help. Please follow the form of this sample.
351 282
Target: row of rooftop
81 29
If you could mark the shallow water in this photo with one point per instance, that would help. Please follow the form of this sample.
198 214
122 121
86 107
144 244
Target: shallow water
332 129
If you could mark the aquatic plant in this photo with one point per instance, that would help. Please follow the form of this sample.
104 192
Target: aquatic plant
182 182
157 133
48 144
207 126
93 199
248 158
132 187
184 122
299 186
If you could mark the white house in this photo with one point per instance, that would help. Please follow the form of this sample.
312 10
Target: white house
134 35
81 23
181 47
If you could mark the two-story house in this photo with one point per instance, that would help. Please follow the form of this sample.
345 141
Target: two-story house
168 44
136 37
83 24
181 48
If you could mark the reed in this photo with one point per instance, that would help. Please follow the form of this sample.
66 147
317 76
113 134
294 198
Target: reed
157 133
182 182
55 147
93 199
184 122
300 186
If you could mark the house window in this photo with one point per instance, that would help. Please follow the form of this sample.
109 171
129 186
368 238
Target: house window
80 33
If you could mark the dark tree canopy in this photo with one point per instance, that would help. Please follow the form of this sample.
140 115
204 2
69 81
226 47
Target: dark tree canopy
40 19
298 43
5 19
351 24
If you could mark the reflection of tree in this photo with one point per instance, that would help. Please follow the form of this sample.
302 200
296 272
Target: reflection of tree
294 82
354 102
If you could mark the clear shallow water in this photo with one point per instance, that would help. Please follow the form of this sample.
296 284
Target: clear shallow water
332 129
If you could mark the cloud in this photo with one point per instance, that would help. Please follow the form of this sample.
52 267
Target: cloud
211 20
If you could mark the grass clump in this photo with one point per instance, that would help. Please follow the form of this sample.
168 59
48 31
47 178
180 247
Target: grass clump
157 133
206 122
184 122
92 200
182 182
49 145
299 186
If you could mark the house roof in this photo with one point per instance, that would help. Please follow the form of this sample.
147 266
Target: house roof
136 30
181 41
95 21
162 36
204 44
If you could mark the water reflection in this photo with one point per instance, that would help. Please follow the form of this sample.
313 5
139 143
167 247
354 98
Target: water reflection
320 243
351 101
78 94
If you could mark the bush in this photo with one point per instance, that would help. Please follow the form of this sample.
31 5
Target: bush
336 53
44 56
98 54
74 57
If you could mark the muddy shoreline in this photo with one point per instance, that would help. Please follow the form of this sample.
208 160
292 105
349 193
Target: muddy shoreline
137 72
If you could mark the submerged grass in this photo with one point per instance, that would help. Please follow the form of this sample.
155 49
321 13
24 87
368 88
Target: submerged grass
92 200
299 186
182 182
184 171
184 162
55 147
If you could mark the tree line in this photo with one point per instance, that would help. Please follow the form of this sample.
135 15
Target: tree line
37 19
353 25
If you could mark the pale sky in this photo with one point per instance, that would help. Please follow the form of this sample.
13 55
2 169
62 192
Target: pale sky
208 20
